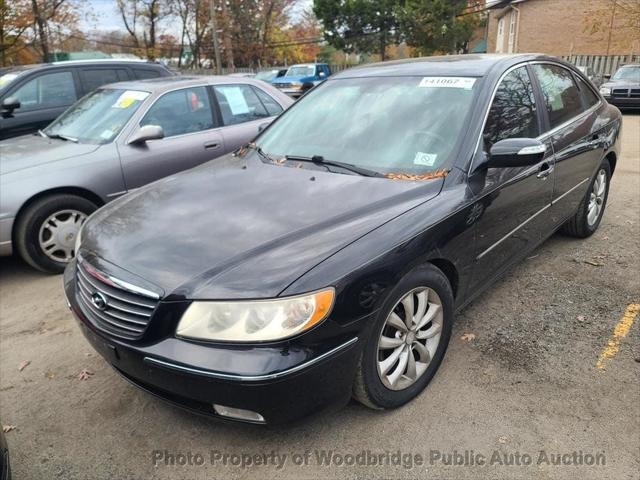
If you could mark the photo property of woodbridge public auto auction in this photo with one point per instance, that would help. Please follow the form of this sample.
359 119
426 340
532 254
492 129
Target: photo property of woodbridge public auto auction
319 239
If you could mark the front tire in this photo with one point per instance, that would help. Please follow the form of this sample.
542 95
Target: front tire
589 215
407 342
46 231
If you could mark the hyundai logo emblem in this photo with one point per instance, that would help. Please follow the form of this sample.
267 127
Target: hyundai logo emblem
99 301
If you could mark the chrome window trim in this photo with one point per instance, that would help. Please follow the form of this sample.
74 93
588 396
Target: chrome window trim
249 378
544 135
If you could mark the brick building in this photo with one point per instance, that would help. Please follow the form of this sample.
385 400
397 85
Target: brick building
562 27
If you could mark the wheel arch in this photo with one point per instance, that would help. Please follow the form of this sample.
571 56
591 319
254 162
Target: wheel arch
450 271
78 191
613 159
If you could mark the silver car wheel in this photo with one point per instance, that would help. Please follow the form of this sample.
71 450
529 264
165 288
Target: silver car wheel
596 198
57 235
409 338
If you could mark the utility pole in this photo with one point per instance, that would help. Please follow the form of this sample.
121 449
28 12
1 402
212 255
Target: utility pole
613 15
214 34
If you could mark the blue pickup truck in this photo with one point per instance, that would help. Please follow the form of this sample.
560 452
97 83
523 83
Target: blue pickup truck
302 77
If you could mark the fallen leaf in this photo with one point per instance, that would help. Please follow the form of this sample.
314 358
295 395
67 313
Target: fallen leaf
595 264
502 439
468 337
8 428
580 318
50 375
24 365
85 374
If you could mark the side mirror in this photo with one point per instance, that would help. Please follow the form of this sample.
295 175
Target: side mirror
516 152
145 133
322 74
607 76
9 104
262 126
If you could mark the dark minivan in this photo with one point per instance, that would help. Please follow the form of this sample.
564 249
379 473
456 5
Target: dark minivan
32 96
326 259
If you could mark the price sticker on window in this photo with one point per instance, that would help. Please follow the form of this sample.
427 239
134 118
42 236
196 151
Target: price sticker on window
130 97
465 83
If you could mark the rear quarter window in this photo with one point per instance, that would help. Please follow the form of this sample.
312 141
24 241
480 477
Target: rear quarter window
145 73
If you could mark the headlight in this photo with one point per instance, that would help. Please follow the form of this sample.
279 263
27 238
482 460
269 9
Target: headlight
296 85
605 90
255 320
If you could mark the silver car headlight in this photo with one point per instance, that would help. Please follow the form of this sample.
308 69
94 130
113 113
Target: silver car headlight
605 91
255 320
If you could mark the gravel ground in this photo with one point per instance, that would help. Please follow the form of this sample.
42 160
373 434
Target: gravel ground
524 382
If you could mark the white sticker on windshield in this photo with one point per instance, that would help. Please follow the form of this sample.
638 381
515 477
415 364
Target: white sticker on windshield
129 97
426 159
465 83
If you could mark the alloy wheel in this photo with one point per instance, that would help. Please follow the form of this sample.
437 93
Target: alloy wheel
57 235
409 338
596 198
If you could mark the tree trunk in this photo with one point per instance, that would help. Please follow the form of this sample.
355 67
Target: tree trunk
227 40
42 30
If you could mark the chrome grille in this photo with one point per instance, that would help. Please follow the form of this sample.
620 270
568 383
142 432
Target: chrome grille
283 85
620 92
634 92
125 314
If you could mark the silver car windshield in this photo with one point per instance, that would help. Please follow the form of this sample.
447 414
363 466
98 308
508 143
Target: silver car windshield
384 124
98 117
628 73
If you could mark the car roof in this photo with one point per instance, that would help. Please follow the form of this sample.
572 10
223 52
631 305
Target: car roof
468 65
163 84
97 61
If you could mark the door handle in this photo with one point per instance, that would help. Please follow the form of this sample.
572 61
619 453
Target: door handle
211 145
545 170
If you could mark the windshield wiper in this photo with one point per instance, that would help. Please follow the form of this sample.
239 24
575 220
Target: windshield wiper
42 134
61 137
320 160
261 152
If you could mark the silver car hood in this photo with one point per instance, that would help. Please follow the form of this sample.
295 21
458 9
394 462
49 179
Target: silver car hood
34 150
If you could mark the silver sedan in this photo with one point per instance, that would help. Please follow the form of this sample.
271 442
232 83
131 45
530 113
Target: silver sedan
114 140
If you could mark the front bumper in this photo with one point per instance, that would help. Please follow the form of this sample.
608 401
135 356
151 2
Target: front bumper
282 382
624 102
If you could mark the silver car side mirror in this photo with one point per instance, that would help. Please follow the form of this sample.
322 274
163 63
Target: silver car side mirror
145 133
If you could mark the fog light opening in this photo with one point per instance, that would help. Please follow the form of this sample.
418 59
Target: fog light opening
238 414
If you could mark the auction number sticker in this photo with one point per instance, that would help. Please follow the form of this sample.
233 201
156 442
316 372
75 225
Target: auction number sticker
130 97
465 83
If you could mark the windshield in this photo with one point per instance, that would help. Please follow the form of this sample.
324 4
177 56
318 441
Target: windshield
7 78
628 73
301 71
267 75
98 117
388 125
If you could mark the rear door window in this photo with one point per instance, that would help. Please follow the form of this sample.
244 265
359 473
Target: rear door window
239 104
182 111
145 73
590 98
560 92
513 111
48 90
96 77
273 107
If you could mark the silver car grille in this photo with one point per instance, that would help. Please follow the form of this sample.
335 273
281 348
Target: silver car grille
113 309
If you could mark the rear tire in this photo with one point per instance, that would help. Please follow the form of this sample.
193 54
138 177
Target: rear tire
46 231
587 219
383 381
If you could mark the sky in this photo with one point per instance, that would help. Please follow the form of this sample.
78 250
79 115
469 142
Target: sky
107 17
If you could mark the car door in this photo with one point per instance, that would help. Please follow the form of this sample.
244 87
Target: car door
511 205
43 97
244 109
577 137
191 137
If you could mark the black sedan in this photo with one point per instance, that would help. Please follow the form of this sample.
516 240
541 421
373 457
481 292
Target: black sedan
326 259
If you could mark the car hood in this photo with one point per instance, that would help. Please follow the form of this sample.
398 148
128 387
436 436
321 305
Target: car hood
621 84
34 150
240 228
296 78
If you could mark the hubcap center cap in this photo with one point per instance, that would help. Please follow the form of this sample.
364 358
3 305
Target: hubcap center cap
410 338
